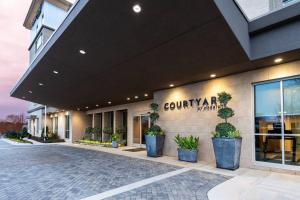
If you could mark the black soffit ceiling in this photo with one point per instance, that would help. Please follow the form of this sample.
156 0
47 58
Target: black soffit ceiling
129 54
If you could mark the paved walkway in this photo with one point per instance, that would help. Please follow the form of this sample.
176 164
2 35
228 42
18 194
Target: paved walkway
46 172
246 184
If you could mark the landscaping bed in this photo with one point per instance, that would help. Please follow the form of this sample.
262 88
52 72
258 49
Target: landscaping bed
95 143
19 140
47 140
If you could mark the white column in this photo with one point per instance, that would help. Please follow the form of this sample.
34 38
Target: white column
45 122
93 121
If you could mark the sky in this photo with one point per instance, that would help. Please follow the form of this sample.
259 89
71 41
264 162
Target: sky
14 56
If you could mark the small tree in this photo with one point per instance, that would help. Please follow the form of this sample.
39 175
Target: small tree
154 116
225 129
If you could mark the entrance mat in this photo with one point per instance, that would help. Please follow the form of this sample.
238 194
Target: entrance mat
135 149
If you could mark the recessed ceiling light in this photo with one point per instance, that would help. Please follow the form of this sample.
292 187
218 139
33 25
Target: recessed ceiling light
41 84
128 98
213 75
146 95
82 51
55 72
171 85
136 97
137 8
278 60
30 91
109 102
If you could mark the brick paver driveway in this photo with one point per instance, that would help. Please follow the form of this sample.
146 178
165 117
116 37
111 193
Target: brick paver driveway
61 172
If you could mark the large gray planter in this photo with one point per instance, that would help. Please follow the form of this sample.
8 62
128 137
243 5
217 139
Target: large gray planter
155 145
188 155
227 152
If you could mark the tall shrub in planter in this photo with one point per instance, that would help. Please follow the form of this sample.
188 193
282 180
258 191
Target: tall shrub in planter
155 136
226 139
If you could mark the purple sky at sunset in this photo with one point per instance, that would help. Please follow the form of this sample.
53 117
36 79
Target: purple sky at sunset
14 41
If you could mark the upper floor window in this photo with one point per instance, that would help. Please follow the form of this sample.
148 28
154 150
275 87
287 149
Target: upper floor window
39 41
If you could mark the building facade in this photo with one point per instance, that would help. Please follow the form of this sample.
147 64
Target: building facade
42 19
103 74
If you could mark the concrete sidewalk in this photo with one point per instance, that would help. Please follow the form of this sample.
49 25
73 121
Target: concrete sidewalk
247 184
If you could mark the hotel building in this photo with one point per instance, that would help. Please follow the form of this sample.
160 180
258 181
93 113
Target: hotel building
108 60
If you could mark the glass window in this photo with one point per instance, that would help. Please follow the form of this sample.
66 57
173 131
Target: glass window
268 123
291 97
67 126
55 125
267 108
39 41
277 134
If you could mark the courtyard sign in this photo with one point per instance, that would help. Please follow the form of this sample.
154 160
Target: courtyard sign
201 104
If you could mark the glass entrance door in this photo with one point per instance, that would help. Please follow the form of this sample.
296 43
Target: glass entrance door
140 125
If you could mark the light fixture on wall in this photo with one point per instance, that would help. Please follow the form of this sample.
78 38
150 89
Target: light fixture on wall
83 52
146 95
109 102
23 98
136 97
137 8
128 98
41 84
97 105
30 91
278 60
87 107
213 76
171 85
55 72
78 109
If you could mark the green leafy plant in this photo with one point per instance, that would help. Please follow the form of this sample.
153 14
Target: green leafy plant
154 128
225 129
107 130
122 130
96 133
115 137
88 130
188 143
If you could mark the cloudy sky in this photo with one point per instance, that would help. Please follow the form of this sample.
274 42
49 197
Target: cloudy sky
14 40
14 56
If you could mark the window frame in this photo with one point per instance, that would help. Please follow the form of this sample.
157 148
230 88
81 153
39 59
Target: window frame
270 164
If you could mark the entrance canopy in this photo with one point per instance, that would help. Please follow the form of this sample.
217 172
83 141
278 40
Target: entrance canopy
105 53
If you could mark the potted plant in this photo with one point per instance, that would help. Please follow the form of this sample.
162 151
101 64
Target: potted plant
154 137
226 139
187 148
115 138
108 131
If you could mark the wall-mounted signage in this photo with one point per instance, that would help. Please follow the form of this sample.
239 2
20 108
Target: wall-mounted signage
205 104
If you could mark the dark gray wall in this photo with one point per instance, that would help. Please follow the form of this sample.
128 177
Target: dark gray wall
236 21
277 40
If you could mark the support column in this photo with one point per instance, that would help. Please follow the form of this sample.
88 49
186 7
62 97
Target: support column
45 122
93 121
